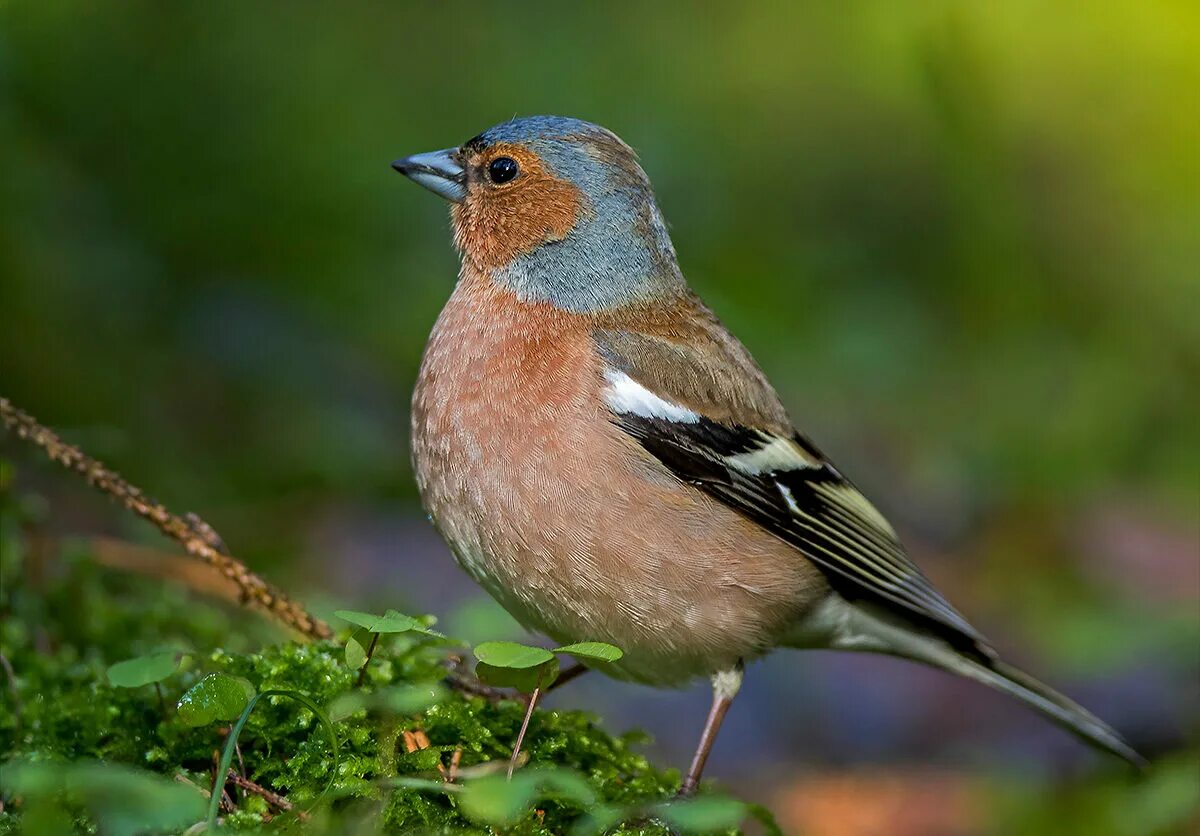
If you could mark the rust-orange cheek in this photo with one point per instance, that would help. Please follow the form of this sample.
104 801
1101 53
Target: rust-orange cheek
495 224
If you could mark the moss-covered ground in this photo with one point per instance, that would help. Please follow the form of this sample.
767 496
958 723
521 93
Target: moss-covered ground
64 620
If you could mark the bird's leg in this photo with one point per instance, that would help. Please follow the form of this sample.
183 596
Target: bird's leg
566 676
725 688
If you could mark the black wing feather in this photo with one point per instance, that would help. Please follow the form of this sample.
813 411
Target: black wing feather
812 507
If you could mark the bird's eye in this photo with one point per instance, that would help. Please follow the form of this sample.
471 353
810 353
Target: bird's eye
503 169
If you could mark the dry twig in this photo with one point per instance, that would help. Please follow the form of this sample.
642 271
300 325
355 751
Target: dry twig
274 799
448 775
197 537
460 679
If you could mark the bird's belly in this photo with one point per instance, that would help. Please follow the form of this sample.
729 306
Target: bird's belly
574 529
671 583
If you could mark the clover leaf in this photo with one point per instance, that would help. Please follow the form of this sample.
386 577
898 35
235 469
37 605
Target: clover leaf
361 644
144 670
512 655
389 622
526 668
592 651
120 799
397 699
497 801
525 680
218 696
513 665
704 815
359 647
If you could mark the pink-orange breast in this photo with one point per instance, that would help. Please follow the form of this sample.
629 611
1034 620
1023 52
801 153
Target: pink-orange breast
565 520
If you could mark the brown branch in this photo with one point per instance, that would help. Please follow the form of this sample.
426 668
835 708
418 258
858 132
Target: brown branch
197 537
459 678
274 799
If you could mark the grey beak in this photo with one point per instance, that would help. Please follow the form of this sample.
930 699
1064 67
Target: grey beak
438 171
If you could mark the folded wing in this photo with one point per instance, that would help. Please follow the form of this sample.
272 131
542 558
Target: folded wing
775 477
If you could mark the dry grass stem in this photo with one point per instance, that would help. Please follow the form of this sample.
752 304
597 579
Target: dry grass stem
197 537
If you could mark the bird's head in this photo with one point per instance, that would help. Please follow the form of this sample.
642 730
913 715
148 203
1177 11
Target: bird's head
557 209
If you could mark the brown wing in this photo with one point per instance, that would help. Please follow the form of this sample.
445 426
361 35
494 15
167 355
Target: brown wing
683 353
710 417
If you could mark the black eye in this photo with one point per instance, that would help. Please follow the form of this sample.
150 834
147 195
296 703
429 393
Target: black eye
503 169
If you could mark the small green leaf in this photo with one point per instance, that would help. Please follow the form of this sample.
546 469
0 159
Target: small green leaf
356 648
495 800
218 696
347 705
45 816
423 624
706 814
601 818
410 699
594 651
512 655
765 818
513 665
120 799
143 670
523 679
401 699
563 785
389 622
422 784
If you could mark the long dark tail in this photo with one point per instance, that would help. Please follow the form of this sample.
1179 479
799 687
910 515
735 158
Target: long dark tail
862 629
1065 712
1057 708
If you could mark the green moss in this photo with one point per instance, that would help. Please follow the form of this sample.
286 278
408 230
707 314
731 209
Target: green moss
61 634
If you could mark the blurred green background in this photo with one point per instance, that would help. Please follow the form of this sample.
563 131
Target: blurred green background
963 241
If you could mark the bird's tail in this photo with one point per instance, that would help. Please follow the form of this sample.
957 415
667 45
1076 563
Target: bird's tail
864 628
1054 706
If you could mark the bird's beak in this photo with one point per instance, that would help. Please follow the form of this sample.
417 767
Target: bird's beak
438 171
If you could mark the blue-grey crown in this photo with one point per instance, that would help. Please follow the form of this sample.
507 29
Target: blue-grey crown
531 128
619 251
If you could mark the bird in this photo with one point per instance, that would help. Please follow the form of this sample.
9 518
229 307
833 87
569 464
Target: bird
610 463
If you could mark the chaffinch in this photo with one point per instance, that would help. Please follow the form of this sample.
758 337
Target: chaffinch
610 463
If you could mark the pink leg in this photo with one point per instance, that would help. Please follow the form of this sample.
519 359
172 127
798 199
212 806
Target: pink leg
725 688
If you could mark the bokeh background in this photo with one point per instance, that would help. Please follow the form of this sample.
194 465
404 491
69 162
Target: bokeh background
962 239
